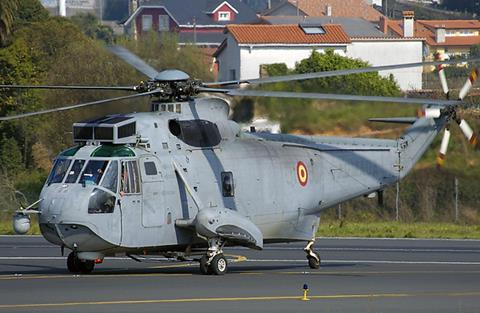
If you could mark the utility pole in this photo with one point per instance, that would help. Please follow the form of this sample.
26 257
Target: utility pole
456 199
340 211
397 201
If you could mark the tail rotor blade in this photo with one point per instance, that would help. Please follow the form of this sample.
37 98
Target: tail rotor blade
468 84
441 74
468 132
443 147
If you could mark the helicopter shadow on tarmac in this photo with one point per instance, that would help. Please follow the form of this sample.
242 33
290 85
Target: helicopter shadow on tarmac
169 268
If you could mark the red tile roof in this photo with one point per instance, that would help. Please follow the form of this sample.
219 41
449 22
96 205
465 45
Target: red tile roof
452 24
286 34
343 8
426 29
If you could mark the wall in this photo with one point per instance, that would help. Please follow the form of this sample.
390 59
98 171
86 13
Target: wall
154 13
228 60
251 59
387 52
224 8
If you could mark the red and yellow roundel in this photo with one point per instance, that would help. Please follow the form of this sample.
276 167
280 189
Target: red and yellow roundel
302 173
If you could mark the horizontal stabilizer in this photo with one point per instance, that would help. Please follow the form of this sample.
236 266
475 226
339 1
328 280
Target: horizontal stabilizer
396 120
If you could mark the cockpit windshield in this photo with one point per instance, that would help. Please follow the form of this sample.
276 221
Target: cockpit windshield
93 172
58 172
74 171
110 181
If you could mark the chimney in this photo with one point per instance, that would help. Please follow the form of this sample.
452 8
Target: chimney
328 10
383 25
440 34
62 8
408 23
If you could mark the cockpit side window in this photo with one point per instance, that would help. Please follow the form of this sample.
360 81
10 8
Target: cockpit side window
130 180
74 171
58 172
110 181
93 172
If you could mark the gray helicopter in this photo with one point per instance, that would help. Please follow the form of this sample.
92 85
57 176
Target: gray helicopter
183 181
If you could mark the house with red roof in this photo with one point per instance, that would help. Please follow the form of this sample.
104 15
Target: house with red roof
248 47
448 37
318 8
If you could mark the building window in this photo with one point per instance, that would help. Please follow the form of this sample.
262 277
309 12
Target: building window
233 75
224 16
146 22
163 23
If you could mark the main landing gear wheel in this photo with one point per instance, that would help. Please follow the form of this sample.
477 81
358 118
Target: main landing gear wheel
75 265
213 262
204 267
218 265
314 261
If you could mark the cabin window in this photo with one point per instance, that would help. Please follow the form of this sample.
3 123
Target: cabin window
150 168
110 181
93 172
146 22
58 172
163 23
224 16
130 181
196 133
101 202
75 171
227 184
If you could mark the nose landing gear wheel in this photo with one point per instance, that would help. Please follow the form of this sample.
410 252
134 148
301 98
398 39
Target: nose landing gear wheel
72 263
75 265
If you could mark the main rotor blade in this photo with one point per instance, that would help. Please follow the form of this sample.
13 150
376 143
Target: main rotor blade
276 79
124 88
326 96
64 108
133 60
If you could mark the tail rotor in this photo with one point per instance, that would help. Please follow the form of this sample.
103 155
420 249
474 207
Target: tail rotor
451 112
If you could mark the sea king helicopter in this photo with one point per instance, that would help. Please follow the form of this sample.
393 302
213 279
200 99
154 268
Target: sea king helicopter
183 181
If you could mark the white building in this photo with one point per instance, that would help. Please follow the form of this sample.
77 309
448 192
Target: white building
387 51
247 47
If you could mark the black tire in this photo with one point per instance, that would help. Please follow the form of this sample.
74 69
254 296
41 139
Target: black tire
72 263
219 265
313 262
86 267
204 268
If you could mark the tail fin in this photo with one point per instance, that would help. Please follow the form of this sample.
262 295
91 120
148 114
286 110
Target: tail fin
416 140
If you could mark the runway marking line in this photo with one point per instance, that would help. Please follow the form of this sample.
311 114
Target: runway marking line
264 298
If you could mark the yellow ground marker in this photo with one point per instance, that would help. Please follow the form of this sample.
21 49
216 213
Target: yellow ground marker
265 298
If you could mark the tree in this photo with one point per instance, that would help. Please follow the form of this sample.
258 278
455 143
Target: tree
7 14
475 51
303 115
91 26
363 84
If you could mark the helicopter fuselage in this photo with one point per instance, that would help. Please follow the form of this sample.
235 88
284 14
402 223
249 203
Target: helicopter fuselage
104 198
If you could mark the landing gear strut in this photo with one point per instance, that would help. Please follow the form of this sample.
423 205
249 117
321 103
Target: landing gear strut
312 257
75 265
214 262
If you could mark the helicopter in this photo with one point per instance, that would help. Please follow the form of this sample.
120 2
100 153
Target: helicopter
183 180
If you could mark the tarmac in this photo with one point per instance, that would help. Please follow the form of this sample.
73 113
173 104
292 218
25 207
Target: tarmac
357 275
